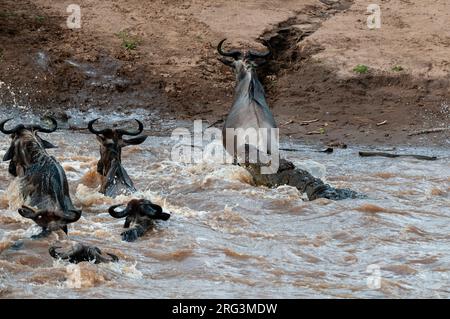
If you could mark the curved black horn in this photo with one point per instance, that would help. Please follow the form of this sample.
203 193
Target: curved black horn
92 130
112 211
154 211
45 130
131 133
235 54
72 216
11 131
253 54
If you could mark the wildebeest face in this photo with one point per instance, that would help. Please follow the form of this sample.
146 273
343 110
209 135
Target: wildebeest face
111 144
139 207
79 253
141 213
51 220
25 146
242 61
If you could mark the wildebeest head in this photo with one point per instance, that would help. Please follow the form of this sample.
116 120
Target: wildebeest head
242 61
138 208
109 164
26 145
140 212
79 253
50 219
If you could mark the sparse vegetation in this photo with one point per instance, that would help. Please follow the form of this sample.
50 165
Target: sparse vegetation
361 69
397 68
7 14
40 19
128 42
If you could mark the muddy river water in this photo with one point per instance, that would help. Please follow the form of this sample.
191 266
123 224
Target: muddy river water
227 238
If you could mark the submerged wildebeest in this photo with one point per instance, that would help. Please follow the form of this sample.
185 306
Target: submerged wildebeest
43 183
140 213
115 180
250 110
79 253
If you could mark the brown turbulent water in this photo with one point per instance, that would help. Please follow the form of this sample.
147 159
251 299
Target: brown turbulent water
227 238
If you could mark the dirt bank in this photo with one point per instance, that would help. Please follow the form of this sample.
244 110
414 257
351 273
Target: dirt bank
160 55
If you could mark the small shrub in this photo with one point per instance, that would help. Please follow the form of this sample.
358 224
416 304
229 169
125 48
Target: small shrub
397 68
128 42
361 69
40 19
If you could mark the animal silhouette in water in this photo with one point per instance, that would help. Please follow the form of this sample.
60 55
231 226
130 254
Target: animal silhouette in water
79 253
115 179
42 181
250 112
140 213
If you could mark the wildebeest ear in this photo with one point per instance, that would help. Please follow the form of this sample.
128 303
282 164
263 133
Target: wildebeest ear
9 154
136 140
47 144
226 61
27 212
154 211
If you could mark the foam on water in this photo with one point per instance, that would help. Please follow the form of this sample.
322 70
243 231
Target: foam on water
228 238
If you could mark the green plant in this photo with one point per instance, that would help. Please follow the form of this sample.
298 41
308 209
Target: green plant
397 68
361 69
7 14
128 42
40 19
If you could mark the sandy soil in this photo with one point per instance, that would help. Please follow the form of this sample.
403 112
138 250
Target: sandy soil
173 69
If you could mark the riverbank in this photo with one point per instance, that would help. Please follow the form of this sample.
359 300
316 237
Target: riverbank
161 58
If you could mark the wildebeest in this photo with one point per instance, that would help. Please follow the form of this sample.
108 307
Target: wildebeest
43 183
115 180
79 252
250 109
139 212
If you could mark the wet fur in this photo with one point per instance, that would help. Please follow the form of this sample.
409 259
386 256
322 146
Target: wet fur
43 182
250 108
115 179
141 214
79 253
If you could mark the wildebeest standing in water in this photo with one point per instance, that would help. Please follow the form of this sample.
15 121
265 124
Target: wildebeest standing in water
43 182
250 109
115 180
140 213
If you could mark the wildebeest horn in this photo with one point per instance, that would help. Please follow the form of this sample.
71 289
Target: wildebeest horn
254 55
46 130
235 54
155 212
112 211
131 133
92 130
11 131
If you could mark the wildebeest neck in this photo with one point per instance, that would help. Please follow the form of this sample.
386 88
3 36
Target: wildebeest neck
29 151
109 154
249 87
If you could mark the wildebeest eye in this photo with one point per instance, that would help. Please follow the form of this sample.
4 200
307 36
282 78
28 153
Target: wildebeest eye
39 217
